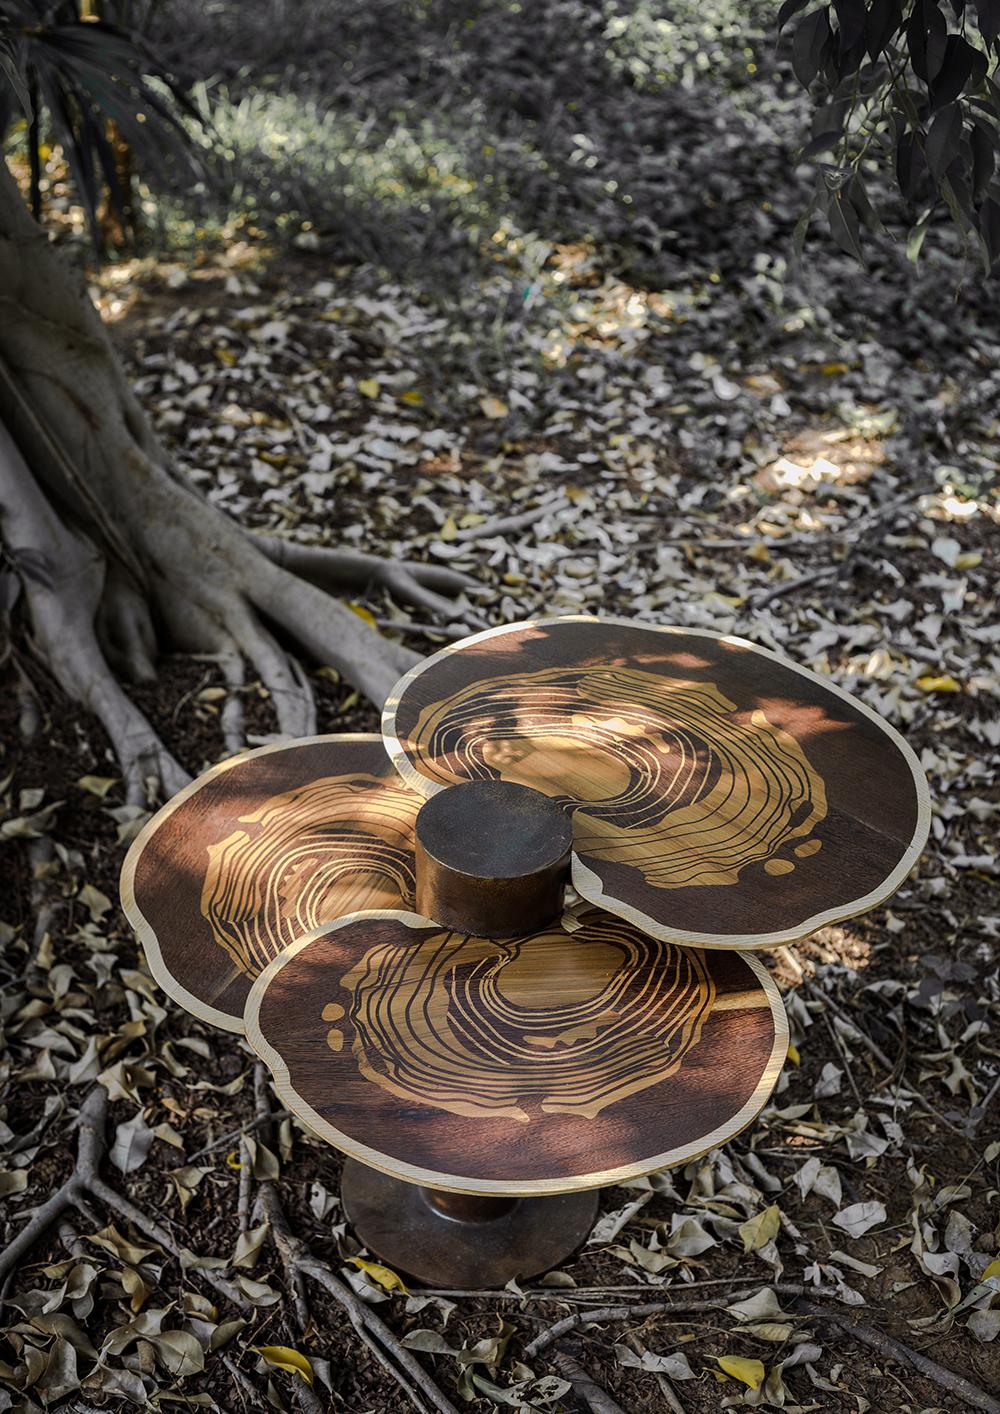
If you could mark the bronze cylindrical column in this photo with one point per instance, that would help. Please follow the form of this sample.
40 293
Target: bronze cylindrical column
492 859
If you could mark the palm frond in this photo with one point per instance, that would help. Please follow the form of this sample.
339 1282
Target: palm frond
86 74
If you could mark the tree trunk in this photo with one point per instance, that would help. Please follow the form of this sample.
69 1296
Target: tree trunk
119 554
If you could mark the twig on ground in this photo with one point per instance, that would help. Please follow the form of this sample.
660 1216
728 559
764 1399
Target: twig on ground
655 1308
298 1262
391 1354
838 1046
228 1138
975 1397
855 535
957 1385
596 1399
801 581
243 1201
876 1051
84 1181
503 525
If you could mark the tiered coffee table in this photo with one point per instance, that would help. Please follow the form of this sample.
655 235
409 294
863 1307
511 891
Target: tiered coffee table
388 922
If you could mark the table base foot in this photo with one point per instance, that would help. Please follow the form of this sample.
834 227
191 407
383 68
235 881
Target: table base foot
454 1240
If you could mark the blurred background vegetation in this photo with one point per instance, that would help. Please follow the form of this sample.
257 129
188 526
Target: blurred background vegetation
432 138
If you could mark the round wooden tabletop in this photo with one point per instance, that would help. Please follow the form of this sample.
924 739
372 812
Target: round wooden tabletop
543 1064
259 851
719 794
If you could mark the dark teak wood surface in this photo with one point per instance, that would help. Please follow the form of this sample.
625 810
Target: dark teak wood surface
256 853
542 1064
719 794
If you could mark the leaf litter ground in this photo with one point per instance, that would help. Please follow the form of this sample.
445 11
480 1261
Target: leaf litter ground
749 455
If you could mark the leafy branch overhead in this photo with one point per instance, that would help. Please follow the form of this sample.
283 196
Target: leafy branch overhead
75 77
910 85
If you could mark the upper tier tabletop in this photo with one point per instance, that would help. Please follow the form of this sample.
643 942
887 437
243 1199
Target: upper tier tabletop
259 851
542 1064
720 795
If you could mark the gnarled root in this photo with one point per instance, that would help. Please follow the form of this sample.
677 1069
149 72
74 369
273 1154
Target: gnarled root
117 551
85 1182
408 581
63 577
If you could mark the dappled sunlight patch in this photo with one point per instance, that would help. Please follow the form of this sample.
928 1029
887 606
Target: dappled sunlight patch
842 945
820 457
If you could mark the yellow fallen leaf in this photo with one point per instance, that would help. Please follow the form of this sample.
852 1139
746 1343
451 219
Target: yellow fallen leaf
943 683
282 1357
449 530
97 785
832 369
413 397
493 407
385 1276
369 387
751 1372
363 613
226 357
793 1054
993 1270
969 560
759 1230
233 1160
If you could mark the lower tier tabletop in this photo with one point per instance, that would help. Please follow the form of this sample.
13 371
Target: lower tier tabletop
544 1064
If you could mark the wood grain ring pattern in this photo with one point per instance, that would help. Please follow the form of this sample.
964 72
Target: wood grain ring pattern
256 852
721 795
549 1064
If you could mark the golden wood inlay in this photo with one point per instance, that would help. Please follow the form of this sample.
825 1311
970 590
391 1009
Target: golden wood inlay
305 857
568 1024
662 775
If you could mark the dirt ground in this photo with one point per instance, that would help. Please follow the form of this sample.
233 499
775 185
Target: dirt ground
892 1083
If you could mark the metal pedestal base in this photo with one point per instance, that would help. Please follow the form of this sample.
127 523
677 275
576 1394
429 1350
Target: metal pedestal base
455 1240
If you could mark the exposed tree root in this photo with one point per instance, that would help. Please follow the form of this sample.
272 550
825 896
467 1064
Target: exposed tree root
887 1345
63 577
298 1263
85 1182
408 581
120 556
597 1400
945 1379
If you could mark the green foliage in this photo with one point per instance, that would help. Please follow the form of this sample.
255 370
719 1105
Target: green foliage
77 76
427 137
910 85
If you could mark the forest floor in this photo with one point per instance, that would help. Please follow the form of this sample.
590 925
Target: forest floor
736 453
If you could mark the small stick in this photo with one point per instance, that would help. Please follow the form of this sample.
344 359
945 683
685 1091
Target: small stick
789 586
957 1385
839 1048
501 525
247 1128
597 1399
243 1201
